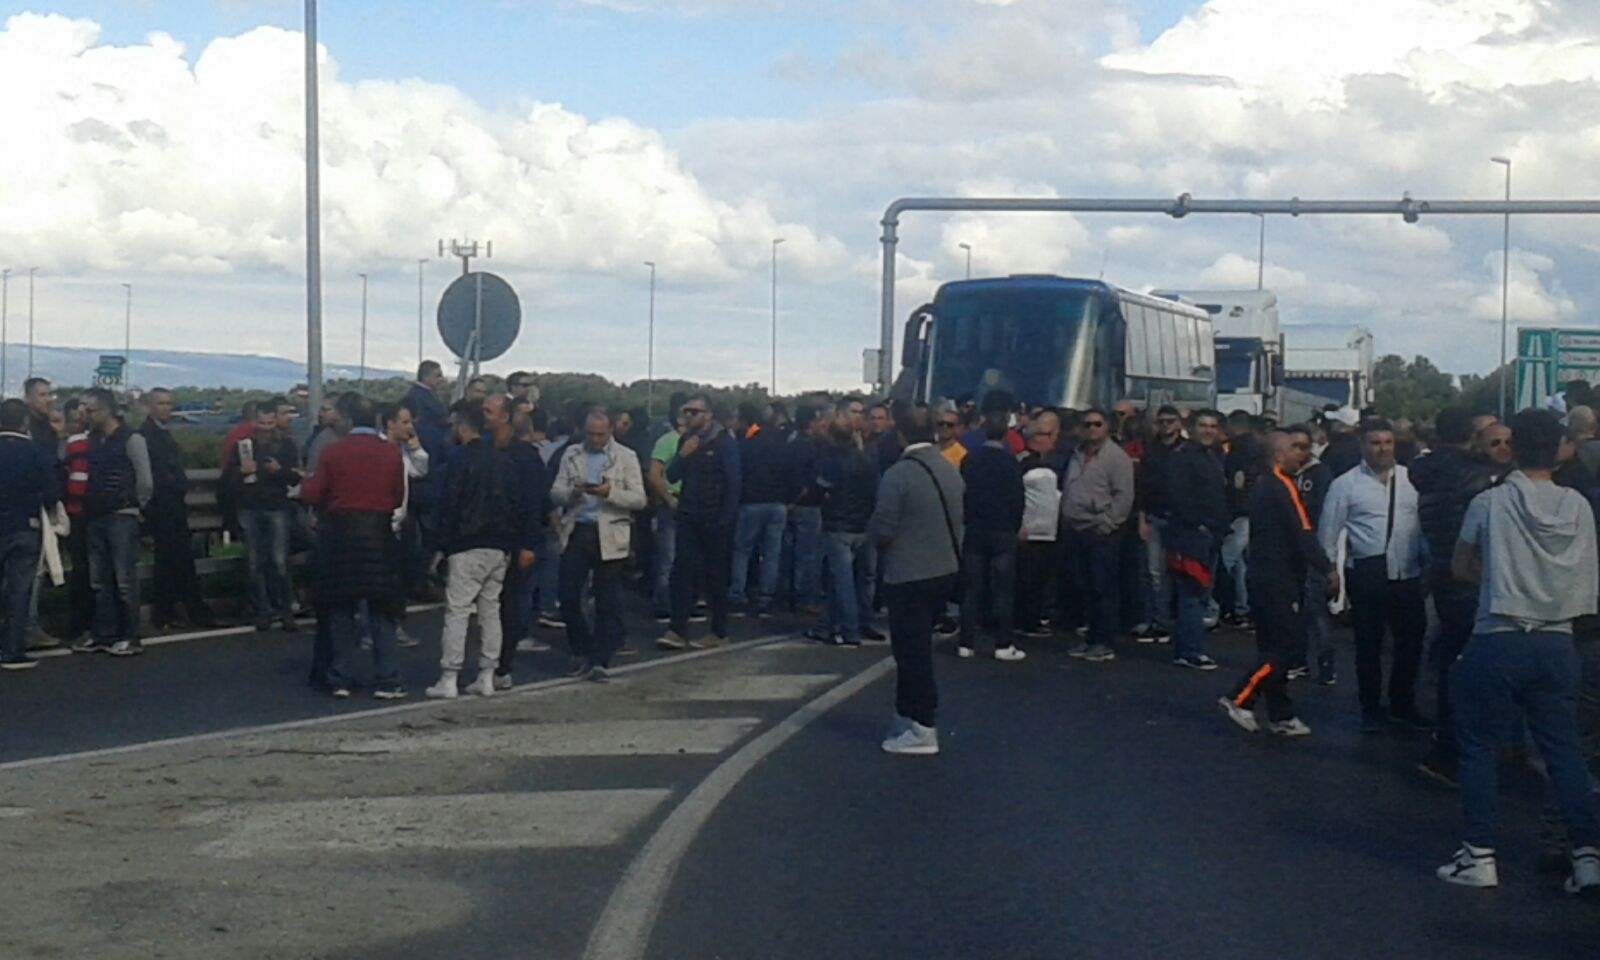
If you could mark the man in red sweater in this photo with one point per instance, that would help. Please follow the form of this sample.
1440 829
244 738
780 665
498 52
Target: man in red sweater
358 484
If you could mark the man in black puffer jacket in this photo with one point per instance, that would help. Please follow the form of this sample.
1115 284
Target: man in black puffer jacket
708 467
359 483
844 483
1446 480
1197 520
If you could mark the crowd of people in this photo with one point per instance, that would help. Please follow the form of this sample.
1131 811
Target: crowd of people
982 520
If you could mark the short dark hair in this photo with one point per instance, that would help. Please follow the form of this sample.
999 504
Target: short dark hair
13 414
997 400
389 412
72 404
470 412
31 382
150 395
1375 425
427 368
247 410
1536 437
357 409
1454 425
539 419
914 424
1208 412
477 381
749 412
278 403
1305 429
1096 411
518 376
1167 410
102 398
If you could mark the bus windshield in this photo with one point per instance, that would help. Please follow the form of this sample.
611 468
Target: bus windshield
1036 344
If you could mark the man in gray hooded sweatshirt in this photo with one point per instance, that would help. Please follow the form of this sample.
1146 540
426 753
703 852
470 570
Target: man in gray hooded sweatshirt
1530 544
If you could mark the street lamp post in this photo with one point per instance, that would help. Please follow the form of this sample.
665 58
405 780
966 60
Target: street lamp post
1505 288
968 247
420 265
31 272
650 348
313 222
5 340
363 378
127 339
1261 255
776 242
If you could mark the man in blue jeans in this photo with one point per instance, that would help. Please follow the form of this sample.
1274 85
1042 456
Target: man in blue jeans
261 470
846 487
29 483
120 485
1530 545
763 513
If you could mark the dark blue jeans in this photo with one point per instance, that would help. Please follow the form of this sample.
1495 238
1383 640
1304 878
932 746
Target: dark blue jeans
345 636
114 575
19 564
989 580
1094 560
760 527
1501 680
848 583
1457 606
807 544
266 534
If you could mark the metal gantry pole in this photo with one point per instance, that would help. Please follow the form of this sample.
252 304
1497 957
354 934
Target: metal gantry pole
968 247
776 242
420 265
127 340
363 377
1261 255
650 349
313 221
1407 208
31 272
5 316
1505 290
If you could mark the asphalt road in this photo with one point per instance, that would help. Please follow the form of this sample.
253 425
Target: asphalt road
1076 811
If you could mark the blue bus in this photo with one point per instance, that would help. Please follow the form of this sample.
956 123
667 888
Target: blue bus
1055 341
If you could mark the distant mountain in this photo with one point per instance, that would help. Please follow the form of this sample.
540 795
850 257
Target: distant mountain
75 366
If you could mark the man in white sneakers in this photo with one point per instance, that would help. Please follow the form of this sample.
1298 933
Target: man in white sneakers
479 483
1530 545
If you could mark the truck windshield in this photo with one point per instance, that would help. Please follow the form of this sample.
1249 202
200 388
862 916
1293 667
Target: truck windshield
1235 371
1037 344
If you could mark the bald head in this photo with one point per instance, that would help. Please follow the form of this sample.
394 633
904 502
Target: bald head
1581 424
597 431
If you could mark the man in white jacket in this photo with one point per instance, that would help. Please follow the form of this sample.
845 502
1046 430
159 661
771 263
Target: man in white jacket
600 487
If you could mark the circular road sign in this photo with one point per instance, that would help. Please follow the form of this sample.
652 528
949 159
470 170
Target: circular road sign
458 315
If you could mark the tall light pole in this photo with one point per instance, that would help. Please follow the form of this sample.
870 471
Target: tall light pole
776 242
313 221
420 265
968 247
1261 254
1505 289
31 272
127 339
650 349
363 277
5 340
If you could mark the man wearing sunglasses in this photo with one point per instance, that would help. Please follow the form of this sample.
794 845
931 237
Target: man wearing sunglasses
1096 499
1158 457
708 507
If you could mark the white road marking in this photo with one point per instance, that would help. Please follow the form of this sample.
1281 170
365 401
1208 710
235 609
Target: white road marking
623 931
556 683
485 821
755 687
216 632
602 738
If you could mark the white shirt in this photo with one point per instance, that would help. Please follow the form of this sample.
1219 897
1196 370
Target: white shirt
1359 502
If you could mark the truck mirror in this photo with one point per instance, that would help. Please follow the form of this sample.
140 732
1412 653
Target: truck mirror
1277 370
911 343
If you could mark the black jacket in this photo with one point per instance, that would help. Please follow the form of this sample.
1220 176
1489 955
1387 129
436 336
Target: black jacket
1197 489
710 478
166 466
268 492
764 467
1245 462
1446 480
1154 467
1313 482
994 496
1343 453
479 483
28 483
1283 543
846 485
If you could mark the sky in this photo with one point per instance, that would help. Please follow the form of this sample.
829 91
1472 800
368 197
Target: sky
160 144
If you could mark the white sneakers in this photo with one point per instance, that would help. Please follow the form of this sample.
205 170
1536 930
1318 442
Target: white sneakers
1585 877
1472 867
1245 719
484 685
445 689
1009 654
1475 867
1292 727
913 738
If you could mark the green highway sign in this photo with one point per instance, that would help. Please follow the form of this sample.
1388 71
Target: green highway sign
1548 357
